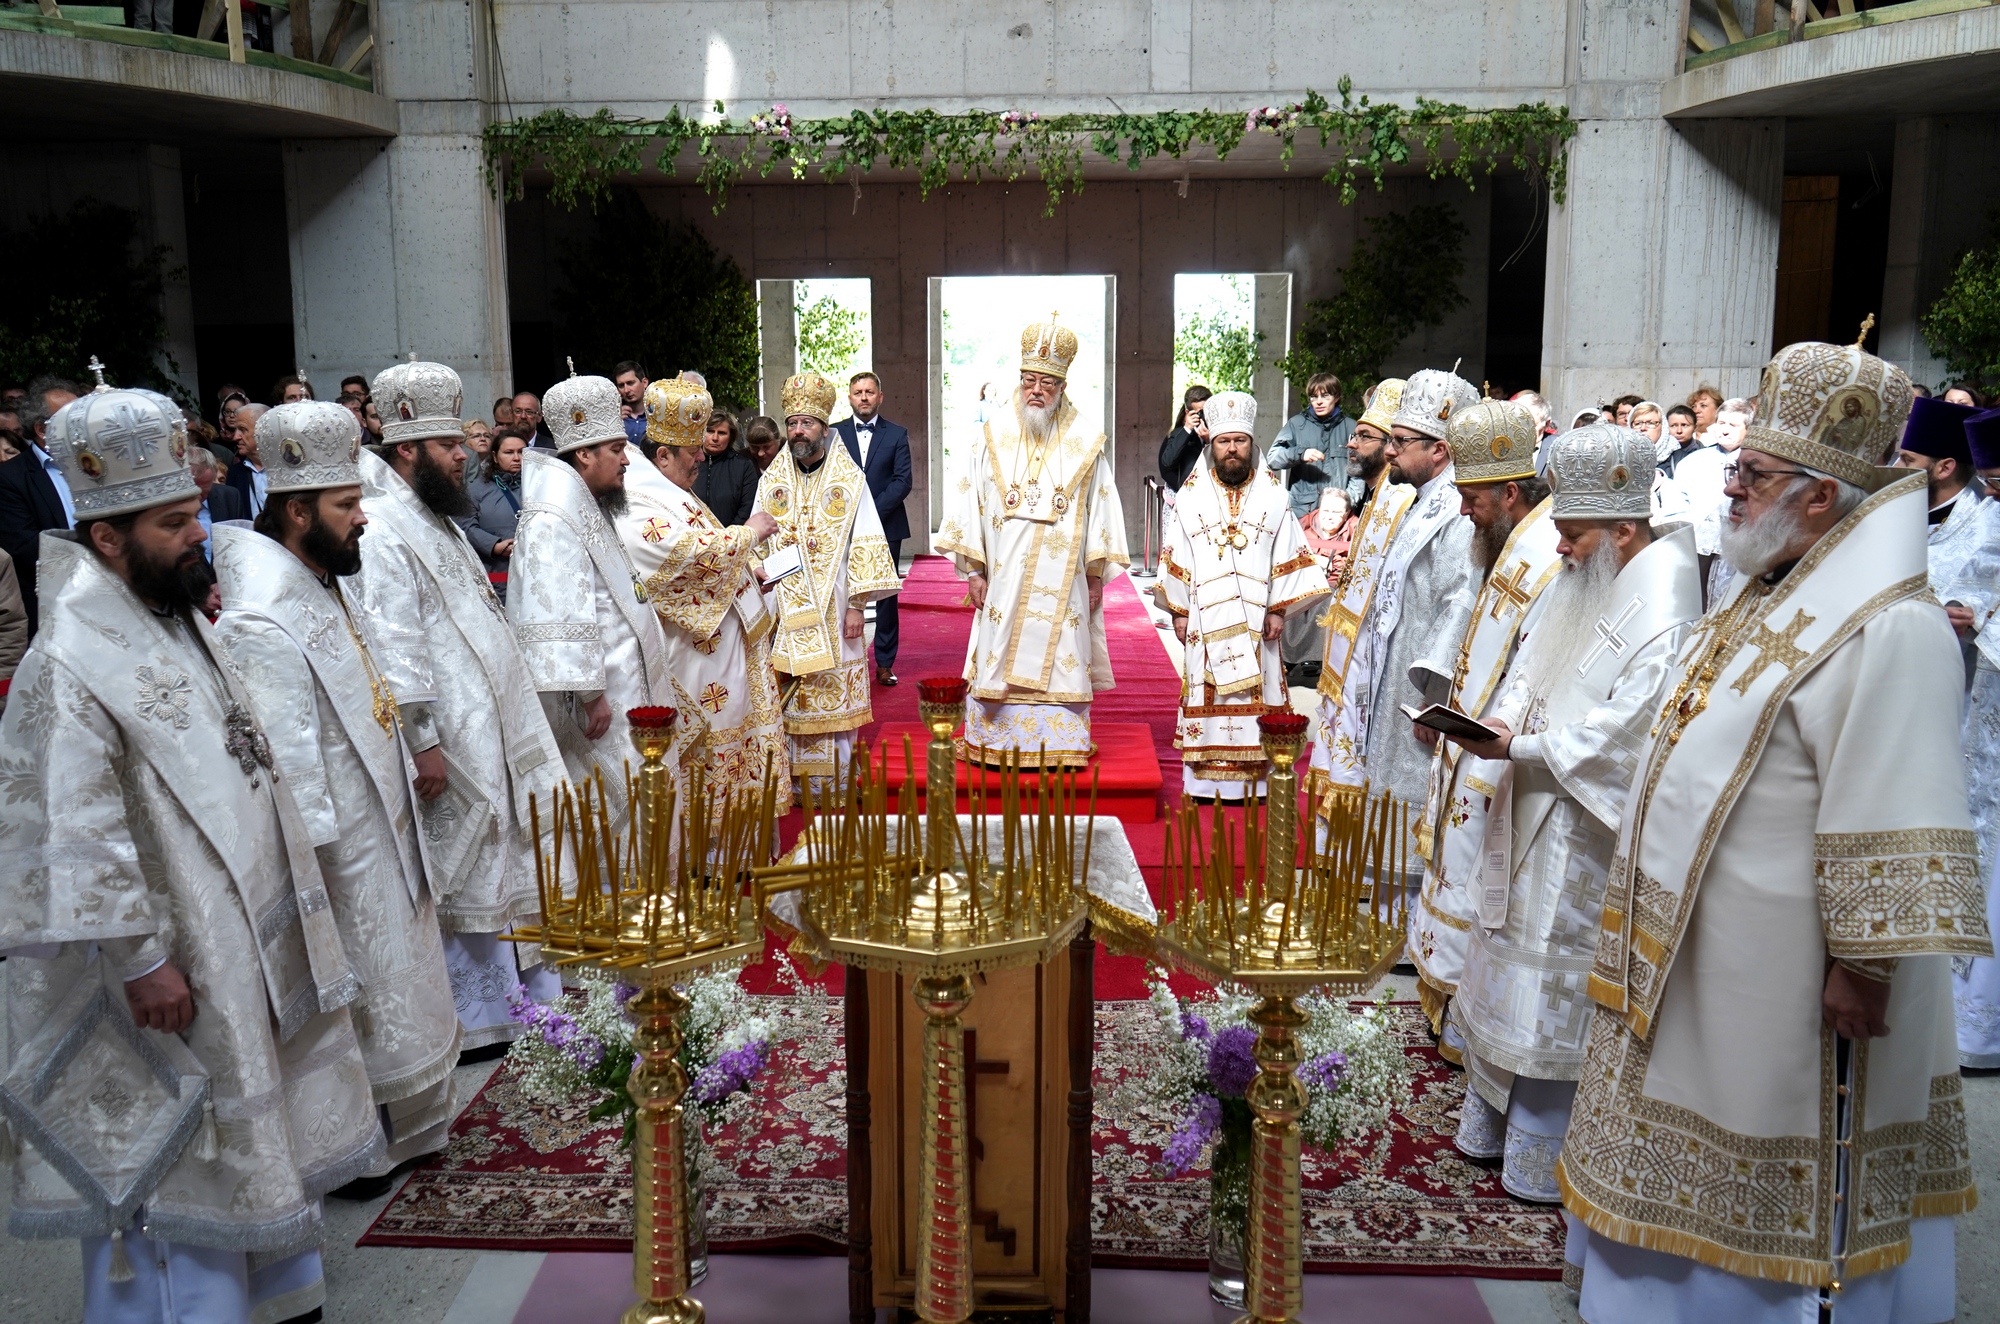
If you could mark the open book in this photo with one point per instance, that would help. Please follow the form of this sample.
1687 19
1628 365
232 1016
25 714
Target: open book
782 564
1450 721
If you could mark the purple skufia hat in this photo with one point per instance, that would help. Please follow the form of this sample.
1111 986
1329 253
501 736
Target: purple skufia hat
1937 429
1982 438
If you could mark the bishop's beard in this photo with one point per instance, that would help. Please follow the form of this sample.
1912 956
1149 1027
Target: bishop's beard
1487 543
436 488
333 554
170 584
1756 546
1566 625
1036 424
612 504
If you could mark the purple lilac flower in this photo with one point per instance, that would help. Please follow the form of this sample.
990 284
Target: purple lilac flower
731 1072
1231 1065
1324 1074
624 993
558 1030
1196 1133
1195 1027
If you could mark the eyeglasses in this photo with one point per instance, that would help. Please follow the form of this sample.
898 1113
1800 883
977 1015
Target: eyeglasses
1749 478
1992 484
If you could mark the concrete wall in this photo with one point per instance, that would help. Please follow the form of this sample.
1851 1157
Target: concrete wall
1142 233
1944 190
824 56
43 179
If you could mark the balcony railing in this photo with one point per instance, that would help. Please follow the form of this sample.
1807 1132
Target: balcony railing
1723 29
339 48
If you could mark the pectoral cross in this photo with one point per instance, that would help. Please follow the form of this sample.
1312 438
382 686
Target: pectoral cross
1511 591
1608 637
1779 646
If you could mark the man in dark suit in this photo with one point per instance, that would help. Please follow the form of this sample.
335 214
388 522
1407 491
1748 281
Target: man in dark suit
882 449
33 495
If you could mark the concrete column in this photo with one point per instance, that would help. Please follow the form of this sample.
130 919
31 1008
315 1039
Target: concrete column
1939 202
777 340
1271 313
398 245
1663 259
166 214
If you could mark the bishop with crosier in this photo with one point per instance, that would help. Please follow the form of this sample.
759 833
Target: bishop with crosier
1035 526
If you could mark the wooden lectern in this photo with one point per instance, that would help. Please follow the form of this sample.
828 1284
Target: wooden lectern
1030 1043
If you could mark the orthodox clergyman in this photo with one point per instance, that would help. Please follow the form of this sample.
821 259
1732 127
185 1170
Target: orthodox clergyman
701 579
1976 980
1598 657
595 648
1493 450
1235 567
438 634
183 1079
1770 1102
1404 649
1035 526
819 500
312 676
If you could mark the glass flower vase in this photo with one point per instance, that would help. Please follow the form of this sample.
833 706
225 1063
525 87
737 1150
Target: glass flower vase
1229 1210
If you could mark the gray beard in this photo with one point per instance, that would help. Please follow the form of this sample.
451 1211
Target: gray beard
1566 626
1755 547
1488 542
1037 424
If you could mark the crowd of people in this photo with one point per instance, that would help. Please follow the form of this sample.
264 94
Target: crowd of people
1694 716
1698 766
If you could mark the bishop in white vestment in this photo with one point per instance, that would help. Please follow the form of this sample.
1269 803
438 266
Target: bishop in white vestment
441 638
1493 448
1574 716
827 525
701 580
1403 652
1234 568
594 646
1035 527
1770 1102
183 1080
1976 980
311 675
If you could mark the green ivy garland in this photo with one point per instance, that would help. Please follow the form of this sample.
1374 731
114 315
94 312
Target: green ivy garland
586 153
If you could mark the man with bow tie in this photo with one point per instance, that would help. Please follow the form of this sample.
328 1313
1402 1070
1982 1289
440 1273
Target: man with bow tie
882 449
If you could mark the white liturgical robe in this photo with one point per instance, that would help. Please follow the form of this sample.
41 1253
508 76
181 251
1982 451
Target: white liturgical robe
311 675
442 640
1522 1005
1800 801
1232 675
828 516
145 823
698 579
1038 520
1461 786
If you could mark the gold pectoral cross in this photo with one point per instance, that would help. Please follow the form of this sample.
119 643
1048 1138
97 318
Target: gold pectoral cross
1779 646
1511 590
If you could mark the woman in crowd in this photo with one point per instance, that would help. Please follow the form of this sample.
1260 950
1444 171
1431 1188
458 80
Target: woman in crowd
761 439
479 443
497 499
727 479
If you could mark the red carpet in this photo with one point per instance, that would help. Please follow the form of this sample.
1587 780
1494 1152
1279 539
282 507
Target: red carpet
1128 773
520 1176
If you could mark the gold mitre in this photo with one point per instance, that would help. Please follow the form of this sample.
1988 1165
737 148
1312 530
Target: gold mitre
1833 407
1047 347
809 394
677 413
1382 405
1492 441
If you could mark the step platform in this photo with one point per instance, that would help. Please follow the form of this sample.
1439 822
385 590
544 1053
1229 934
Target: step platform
1128 771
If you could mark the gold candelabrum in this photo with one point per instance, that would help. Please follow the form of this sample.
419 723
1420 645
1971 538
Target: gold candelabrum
884 888
655 904
1282 930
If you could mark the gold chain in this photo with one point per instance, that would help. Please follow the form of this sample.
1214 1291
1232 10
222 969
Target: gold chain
1690 696
387 715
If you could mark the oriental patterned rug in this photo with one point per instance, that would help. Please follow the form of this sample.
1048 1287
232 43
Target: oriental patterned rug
525 1176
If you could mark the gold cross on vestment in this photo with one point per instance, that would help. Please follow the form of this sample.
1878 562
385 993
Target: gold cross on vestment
714 697
1780 646
1511 590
